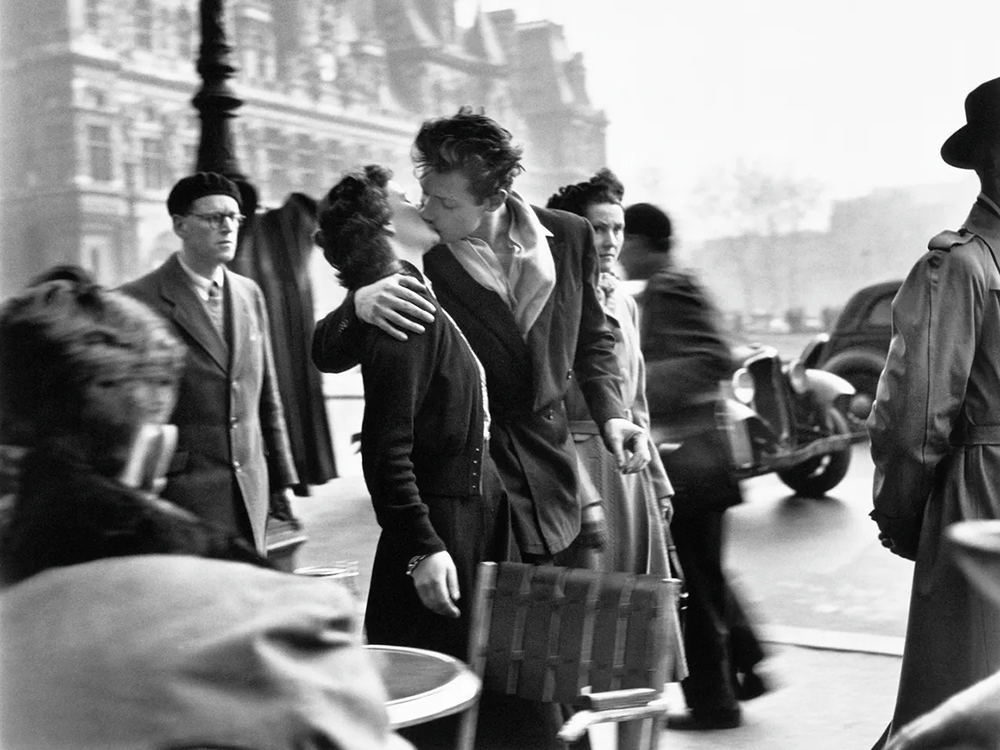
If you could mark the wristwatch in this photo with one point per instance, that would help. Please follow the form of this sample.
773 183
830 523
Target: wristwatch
413 563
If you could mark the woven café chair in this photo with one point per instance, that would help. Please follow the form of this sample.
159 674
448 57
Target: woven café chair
602 642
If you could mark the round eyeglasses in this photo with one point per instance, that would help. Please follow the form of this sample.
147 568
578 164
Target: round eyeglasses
220 218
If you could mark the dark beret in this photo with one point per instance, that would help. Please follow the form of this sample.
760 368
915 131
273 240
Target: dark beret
190 189
648 220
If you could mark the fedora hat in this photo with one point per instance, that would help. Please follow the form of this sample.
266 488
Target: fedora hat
982 118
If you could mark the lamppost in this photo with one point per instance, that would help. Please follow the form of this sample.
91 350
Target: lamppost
217 103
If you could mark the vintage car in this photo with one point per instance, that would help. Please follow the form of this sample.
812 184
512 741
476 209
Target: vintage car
857 346
791 419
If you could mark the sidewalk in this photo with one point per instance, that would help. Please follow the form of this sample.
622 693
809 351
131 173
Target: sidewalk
831 691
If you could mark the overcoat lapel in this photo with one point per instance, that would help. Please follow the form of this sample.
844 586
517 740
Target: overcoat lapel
481 303
539 335
241 322
190 314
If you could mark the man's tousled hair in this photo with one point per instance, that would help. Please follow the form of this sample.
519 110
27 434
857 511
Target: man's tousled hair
472 143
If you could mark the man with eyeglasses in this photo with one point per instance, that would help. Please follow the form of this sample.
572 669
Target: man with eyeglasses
232 449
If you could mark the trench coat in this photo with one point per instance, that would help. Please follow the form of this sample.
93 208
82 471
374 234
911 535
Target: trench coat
935 440
232 445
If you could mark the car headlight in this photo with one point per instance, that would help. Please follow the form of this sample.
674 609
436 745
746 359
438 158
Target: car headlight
797 376
743 388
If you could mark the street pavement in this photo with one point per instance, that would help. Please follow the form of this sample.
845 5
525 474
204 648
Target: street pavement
831 691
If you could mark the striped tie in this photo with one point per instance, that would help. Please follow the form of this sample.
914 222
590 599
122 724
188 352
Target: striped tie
214 306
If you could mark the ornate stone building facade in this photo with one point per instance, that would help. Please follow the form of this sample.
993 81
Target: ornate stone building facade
97 123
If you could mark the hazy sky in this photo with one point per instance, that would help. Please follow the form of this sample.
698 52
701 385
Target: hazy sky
854 94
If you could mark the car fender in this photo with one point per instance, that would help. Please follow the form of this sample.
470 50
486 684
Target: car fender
733 411
827 387
856 360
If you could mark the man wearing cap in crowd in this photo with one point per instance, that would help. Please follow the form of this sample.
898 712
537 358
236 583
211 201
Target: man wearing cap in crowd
232 448
935 428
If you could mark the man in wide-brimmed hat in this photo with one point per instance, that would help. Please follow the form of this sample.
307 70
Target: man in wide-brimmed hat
935 427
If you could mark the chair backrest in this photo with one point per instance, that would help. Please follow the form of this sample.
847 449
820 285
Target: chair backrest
552 634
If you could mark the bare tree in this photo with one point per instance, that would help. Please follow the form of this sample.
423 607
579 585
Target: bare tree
756 206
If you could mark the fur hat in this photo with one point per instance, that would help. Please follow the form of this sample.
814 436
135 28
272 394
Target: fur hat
982 123
190 189
71 355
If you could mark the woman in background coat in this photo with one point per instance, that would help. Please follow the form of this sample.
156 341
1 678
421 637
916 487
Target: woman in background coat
636 506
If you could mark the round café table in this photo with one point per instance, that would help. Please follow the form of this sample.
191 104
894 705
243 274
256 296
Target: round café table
423 685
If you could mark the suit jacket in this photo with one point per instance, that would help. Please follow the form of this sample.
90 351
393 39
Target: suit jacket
232 445
526 380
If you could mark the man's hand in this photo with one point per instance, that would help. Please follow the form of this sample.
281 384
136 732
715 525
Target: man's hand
898 535
969 720
629 442
437 584
394 305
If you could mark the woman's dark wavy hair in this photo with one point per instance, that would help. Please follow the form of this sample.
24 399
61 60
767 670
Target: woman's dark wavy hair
603 187
353 218
473 144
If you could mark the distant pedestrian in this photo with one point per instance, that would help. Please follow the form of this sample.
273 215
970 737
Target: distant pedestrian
935 428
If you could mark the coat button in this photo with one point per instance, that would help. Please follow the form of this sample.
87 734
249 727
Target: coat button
236 465
550 414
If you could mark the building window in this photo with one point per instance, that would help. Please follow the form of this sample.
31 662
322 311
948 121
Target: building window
143 24
308 166
259 51
185 35
153 164
190 158
92 15
99 153
278 162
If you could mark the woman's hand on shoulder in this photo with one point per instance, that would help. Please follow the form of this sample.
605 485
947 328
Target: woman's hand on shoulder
436 579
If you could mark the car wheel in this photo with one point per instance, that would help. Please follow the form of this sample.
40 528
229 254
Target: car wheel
820 474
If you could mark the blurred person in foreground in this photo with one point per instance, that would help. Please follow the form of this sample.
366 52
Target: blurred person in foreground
424 438
118 632
934 435
87 378
687 357
233 461
636 507
521 283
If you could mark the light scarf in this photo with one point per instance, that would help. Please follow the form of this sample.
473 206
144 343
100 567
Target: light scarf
532 277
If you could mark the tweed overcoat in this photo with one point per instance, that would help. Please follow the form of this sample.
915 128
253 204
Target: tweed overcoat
232 445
